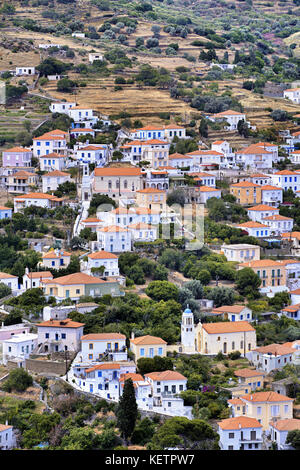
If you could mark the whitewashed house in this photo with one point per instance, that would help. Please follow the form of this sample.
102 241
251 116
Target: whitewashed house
108 261
260 212
292 94
240 433
19 347
287 179
7 437
53 142
61 107
96 346
114 239
51 180
271 195
95 56
59 335
95 153
10 281
279 430
25 71
143 232
271 357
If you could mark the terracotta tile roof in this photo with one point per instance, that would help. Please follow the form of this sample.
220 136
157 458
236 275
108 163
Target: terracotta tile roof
112 229
218 142
229 309
248 373
57 134
259 397
275 349
227 327
296 291
261 263
102 255
277 217
147 340
40 275
3 208
102 336
252 224
291 235
76 279
203 174
165 375
179 156
124 171
268 187
292 308
91 220
53 255
286 172
56 173
23 174
150 190
17 150
84 129
106 366
67 323
7 276
140 226
53 155
239 422
131 375
230 112
289 261
4 427
286 424
206 189
145 210
245 184
254 149
120 210
263 207
205 152
235 401
259 175
38 196
91 147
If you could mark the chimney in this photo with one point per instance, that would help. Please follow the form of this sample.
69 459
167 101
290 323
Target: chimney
132 335
6 423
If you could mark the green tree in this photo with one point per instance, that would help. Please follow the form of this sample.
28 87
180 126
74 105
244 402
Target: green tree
4 290
184 434
248 282
162 290
127 411
293 438
18 380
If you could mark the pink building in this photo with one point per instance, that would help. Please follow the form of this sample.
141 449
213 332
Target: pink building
6 332
59 335
16 156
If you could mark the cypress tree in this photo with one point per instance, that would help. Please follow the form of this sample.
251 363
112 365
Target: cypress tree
127 410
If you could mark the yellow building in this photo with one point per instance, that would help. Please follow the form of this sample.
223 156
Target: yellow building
225 337
152 198
246 192
272 275
250 379
263 406
74 286
148 346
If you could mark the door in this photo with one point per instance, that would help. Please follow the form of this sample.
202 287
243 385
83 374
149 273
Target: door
232 317
224 348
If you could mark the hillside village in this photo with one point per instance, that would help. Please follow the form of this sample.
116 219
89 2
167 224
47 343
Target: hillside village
149 226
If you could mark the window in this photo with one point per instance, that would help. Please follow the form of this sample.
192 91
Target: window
46 335
286 409
259 410
91 346
90 356
231 435
142 352
63 336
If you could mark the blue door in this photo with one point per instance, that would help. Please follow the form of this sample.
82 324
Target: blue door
232 317
91 388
